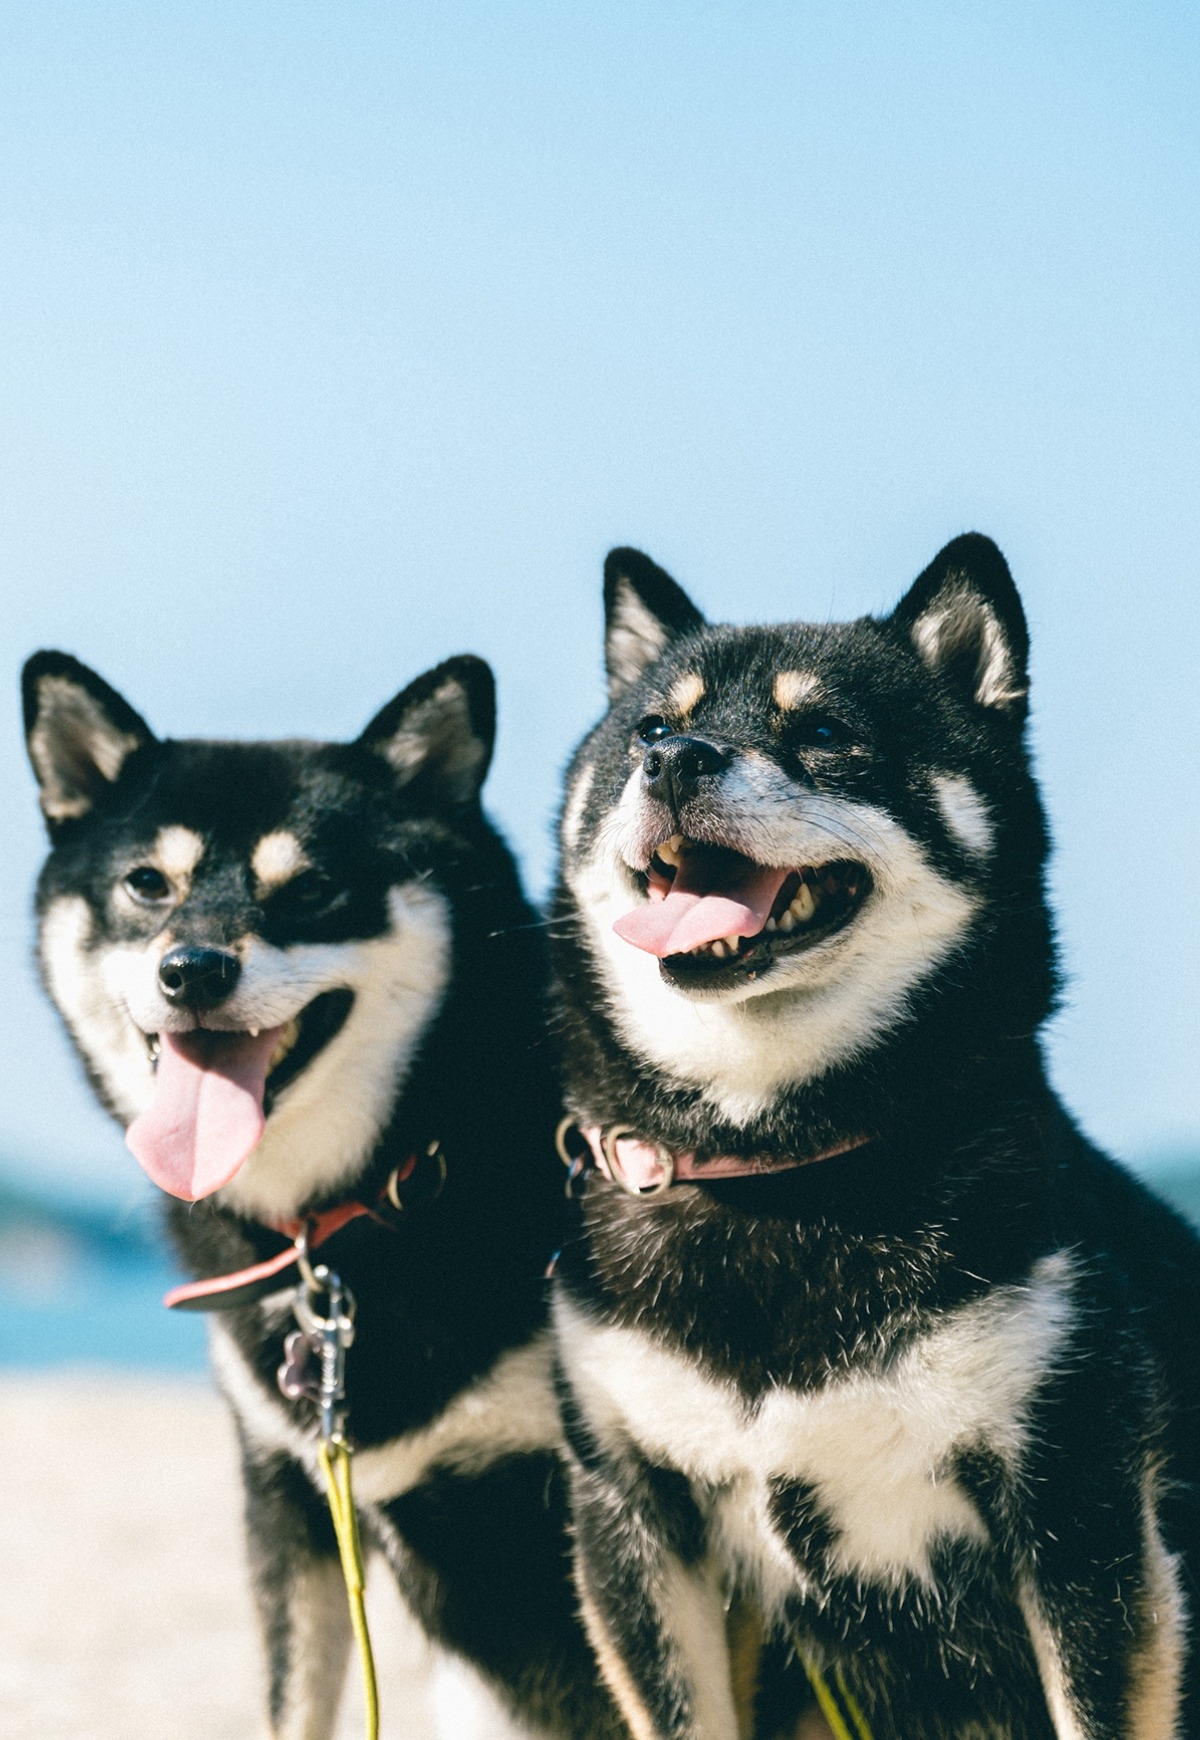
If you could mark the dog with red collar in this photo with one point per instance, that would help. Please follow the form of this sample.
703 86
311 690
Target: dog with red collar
863 1346
304 977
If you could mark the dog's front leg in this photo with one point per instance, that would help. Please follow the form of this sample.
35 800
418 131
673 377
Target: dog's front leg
654 1614
1111 1675
301 1597
1103 1600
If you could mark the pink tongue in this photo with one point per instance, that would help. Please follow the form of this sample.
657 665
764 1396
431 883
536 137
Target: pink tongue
207 1110
686 916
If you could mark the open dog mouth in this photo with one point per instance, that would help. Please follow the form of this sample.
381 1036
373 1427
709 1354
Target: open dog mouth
303 1037
711 912
214 1090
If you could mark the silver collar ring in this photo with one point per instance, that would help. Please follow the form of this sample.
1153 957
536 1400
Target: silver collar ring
609 1140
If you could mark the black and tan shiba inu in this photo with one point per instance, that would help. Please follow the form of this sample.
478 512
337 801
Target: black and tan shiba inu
304 976
861 1336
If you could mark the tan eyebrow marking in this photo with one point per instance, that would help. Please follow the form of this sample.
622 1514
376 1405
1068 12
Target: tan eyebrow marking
177 851
792 687
686 691
277 857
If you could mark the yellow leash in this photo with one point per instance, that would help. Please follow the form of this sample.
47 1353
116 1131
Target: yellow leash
839 1708
323 1338
315 1366
335 1466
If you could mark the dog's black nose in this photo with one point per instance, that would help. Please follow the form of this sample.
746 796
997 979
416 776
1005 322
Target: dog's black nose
674 766
197 978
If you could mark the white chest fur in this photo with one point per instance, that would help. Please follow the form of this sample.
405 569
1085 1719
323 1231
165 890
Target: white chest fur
510 1411
874 1448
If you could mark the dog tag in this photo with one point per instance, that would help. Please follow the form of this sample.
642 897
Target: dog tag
300 1374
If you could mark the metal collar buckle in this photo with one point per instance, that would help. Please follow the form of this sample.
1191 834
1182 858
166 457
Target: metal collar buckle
414 1185
666 1160
575 1157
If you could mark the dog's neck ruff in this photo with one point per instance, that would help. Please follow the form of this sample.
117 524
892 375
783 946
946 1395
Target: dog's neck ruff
645 1168
417 1180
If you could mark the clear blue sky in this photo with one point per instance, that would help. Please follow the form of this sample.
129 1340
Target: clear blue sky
338 338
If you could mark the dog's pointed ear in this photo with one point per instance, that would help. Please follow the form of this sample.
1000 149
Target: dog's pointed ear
79 732
965 619
644 611
438 733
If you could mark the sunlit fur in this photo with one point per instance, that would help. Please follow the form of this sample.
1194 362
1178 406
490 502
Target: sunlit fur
920 1401
324 1125
377 931
739 1046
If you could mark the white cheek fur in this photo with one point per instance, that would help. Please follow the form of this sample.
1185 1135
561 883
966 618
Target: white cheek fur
812 1010
97 1020
325 1123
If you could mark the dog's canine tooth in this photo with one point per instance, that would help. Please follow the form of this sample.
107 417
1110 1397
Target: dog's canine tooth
287 1039
804 903
671 851
719 948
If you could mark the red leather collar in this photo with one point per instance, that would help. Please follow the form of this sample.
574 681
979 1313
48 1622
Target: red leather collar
244 1286
222 1292
646 1168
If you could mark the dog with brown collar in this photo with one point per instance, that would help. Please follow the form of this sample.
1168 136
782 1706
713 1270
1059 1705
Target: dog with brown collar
859 1335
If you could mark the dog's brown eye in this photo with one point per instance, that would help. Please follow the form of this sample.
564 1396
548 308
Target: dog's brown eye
147 885
652 728
819 731
309 888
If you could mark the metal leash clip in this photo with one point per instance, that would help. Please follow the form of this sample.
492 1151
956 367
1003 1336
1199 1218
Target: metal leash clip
315 1366
316 1353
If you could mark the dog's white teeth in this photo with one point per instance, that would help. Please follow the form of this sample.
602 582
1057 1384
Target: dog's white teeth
804 904
786 920
254 1032
287 1039
771 924
671 851
717 949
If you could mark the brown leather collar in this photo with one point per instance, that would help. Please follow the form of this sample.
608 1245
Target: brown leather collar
646 1168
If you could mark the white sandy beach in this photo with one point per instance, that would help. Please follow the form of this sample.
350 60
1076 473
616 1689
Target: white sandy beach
125 1612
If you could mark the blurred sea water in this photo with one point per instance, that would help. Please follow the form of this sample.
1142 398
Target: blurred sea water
83 1285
